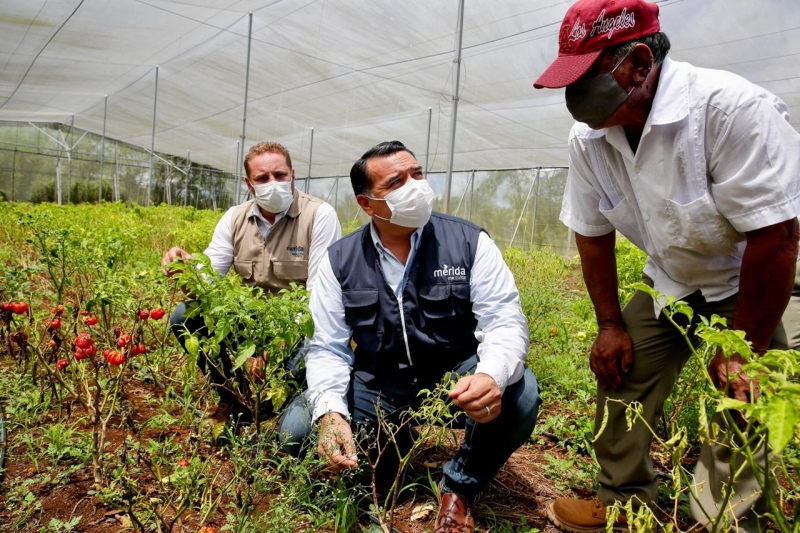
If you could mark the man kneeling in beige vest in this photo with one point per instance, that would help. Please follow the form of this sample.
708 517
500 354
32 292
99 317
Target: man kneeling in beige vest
271 241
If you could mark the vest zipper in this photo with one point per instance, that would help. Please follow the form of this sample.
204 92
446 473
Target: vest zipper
403 323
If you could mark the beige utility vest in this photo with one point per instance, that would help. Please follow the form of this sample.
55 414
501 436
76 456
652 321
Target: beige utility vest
282 257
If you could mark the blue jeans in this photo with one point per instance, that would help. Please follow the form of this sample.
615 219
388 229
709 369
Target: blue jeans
220 374
485 449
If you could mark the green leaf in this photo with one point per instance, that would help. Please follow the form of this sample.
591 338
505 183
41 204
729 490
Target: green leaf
682 308
192 345
245 352
702 423
307 326
603 424
730 403
782 417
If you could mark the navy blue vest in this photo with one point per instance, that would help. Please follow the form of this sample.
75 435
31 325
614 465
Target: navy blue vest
436 315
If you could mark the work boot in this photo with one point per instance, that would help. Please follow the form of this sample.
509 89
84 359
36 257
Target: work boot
581 516
216 422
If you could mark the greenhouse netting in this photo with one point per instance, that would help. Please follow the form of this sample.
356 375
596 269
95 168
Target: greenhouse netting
173 92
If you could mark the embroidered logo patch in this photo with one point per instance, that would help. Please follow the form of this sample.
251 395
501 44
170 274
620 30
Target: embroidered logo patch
451 273
296 250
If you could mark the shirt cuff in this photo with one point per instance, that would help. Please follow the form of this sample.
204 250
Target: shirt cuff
327 402
497 369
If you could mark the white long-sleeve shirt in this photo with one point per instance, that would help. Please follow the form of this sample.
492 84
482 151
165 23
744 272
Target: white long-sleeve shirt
325 231
502 330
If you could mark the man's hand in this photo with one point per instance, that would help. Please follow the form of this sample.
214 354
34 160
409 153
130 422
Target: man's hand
726 373
474 394
336 443
173 254
611 357
255 366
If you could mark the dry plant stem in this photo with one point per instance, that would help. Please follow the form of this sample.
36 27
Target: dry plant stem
215 504
101 422
60 379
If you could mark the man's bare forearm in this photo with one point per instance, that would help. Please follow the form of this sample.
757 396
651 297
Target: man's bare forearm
766 281
599 266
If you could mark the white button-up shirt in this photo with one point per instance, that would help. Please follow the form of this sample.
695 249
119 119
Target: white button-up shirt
502 330
325 231
717 158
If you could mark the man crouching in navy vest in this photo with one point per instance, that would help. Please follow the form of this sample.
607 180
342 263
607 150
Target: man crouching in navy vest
421 295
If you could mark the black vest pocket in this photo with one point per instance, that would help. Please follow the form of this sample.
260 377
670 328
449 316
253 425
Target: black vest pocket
361 315
446 309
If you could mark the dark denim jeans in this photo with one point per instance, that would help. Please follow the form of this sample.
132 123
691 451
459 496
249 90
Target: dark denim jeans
485 449
220 375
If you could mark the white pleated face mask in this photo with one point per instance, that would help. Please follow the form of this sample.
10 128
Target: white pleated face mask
411 204
275 196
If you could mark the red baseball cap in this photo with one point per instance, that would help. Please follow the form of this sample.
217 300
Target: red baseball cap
589 27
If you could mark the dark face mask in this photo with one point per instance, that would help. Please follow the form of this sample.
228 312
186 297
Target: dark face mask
595 100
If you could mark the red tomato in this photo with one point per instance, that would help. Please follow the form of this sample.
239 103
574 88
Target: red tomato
115 358
20 308
61 364
157 313
83 341
85 353
144 314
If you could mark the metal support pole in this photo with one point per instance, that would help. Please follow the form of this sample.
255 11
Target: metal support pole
103 150
428 143
116 171
14 170
237 175
471 195
152 140
246 87
310 154
168 185
336 197
188 173
69 153
535 205
454 112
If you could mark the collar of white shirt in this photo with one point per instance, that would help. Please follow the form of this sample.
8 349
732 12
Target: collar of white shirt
670 104
415 239
260 216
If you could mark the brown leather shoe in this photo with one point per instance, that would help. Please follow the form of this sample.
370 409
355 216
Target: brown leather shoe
215 422
454 515
581 516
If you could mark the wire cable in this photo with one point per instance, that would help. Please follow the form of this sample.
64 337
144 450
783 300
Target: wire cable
21 81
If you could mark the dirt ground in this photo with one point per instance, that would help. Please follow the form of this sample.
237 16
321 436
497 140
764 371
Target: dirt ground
520 490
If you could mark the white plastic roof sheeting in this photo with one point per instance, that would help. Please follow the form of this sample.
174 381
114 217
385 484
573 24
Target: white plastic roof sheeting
358 72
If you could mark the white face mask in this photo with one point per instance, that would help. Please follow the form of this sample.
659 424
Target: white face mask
275 196
411 204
